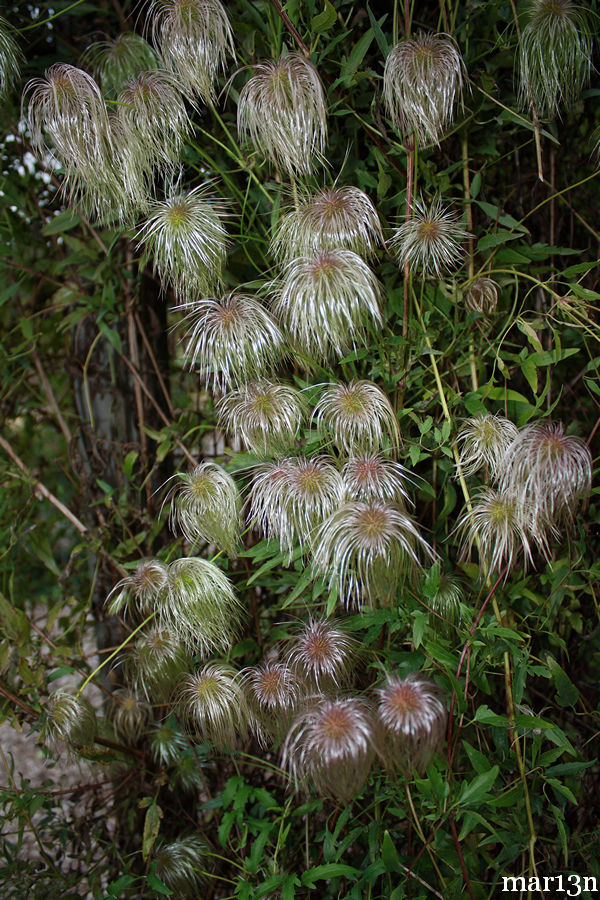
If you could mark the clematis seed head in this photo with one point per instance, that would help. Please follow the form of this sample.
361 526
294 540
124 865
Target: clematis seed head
413 719
113 63
233 340
555 55
322 654
330 219
282 110
483 441
185 239
213 699
358 417
330 747
430 239
422 82
205 506
266 415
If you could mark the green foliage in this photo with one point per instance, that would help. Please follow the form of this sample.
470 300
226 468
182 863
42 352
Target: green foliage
103 413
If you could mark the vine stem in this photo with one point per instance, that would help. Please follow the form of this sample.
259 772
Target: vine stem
469 211
507 667
422 836
115 652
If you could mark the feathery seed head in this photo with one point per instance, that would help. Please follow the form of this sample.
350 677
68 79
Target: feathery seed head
430 240
445 611
10 58
129 715
413 720
331 746
497 523
181 864
358 417
484 440
326 300
155 662
152 123
186 240
273 693
322 654
548 472
213 699
555 55
114 63
167 743
266 415
482 296
200 605
422 81
374 477
282 110
290 498
186 772
70 718
233 340
140 591
194 38
206 507
365 549
330 219
68 118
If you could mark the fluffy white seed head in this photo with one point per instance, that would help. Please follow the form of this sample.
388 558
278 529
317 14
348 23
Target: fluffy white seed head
185 239
180 864
289 499
266 415
555 55
430 240
330 219
326 300
357 417
548 472
232 340
482 296
483 442
497 525
322 654
167 743
129 714
139 592
70 718
113 63
330 747
282 110
68 119
213 699
422 82
194 38
372 476
154 663
151 125
10 58
273 693
413 720
365 549
200 605
205 506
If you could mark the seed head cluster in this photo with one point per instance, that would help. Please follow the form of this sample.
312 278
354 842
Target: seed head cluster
540 475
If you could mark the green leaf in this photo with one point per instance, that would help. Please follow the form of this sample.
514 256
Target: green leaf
13 622
64 221
324 20
350 65
567 693
474 790
329 870
116 888
151 827
389 854
157 885
113 337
